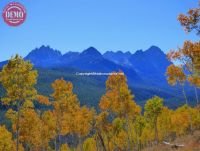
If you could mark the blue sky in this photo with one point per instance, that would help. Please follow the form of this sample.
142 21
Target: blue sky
74 25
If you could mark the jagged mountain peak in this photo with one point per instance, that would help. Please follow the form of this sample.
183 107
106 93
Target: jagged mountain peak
91 51
119 52
152 62
44 56
138 52
154 50
44 51
118 57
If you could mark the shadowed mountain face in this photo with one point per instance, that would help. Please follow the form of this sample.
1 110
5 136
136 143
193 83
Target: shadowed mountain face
69 57
118 57
92 60
44 57
152 62
150 65
145 71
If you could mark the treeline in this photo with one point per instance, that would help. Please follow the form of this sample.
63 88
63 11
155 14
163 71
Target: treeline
64 125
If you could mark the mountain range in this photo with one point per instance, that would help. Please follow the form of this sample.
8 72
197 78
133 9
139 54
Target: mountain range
145 71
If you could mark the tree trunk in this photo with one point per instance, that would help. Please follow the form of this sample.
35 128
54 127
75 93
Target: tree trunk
102 141
18 125
59 142
55 144
156 132
184 94
139 145
191 126
57 139
127 129
197 98
81 143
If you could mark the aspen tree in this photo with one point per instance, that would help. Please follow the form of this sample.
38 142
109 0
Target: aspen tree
18 78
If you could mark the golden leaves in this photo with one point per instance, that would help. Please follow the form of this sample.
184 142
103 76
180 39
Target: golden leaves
84 120
89 144
118 99
175 75
70 117
194 80
191 20
61 88
43 100
19 79
6 142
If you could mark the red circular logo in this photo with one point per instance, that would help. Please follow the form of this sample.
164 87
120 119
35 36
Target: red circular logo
14 14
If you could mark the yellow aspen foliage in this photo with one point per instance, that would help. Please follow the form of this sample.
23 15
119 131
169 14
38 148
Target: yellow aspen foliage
120 140
181 120
30 130
102 122
6 142
194 80
117 103
118 99
175 75
103 130
89 144
18 78
64 147
165 123
12 116
65 105
43 100
48 130
118 124
136 131
63 93
119 136
28 105
83 124
196 117
191 50
153 108
83 120
190 21
70 118
188 56
148 134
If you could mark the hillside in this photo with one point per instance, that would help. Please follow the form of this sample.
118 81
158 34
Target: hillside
145 71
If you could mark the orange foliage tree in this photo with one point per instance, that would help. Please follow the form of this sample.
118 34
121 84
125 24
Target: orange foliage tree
175 75
191 20
70 117
118 104
18 78
189 55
